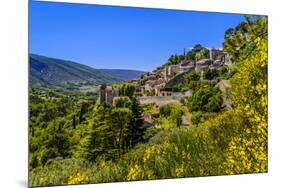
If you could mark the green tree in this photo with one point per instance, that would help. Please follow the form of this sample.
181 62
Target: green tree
206 99
202 54
99 140
83 110
171 115
129 90
126 89
136 130
192 80
54 142
124 102
238 41
74 122
197 48
120 119
211 74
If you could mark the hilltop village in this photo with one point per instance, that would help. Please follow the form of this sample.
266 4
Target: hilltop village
166 84
158 86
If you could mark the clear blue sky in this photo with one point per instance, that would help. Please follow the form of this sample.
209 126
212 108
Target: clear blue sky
121 37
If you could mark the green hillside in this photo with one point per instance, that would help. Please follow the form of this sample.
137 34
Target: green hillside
46 71
123 74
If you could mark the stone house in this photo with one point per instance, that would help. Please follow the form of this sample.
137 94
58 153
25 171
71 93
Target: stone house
173 69
219 54
202 64
215 53
186 66
216 64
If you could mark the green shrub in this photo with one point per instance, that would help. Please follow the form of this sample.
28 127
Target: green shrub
196 118
206 99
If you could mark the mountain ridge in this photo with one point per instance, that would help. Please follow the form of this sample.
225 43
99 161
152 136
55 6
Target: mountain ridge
48 71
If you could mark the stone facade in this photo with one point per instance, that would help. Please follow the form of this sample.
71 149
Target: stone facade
202 64
107 94
223 57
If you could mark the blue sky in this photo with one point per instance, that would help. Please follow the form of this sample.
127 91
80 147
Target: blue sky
121 37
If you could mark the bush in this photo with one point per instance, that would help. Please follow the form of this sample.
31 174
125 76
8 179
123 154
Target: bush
120 102
211 74
206 99
171 115
196 118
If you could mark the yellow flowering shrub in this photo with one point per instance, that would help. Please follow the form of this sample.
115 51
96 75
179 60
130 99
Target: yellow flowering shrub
179 170
135 172
77 178
247 152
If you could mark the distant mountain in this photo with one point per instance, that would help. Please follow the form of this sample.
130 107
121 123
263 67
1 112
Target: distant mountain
123 74
46 71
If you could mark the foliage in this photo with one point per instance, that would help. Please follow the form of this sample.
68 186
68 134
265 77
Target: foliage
202 54
177 152
238 41
196 118
171 115
122 102
192 80
136 130
198 51
207 99
52 124
248 151
184 82
99 139
176 88
191 55
211 74
174 59
126 89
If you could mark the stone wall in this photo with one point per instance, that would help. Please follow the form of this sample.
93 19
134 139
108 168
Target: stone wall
159 100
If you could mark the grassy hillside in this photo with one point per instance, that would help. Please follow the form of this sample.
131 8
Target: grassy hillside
47 71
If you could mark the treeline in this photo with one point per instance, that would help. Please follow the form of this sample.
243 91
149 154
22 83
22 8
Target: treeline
56 121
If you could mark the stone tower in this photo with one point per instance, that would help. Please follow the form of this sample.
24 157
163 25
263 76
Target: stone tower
103 93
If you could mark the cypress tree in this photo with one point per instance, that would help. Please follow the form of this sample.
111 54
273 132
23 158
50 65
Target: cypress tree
136 129
74 122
